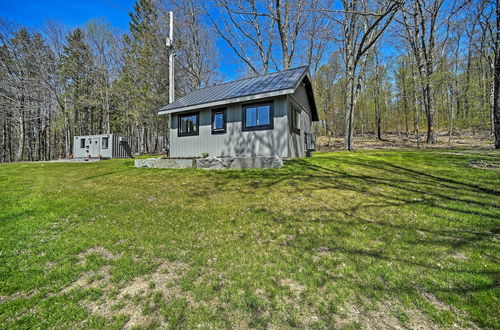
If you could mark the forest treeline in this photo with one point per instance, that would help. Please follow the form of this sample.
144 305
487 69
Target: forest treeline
414 67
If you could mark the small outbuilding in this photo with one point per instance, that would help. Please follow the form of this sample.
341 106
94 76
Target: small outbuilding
269 115
101 146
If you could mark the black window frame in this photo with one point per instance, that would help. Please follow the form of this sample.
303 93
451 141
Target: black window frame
107 142
224 113
189 114
244 126
296 111
82 143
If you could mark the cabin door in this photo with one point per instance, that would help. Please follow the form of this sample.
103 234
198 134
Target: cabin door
95 148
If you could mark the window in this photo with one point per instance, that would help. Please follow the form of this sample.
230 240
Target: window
105 141
219 121
258 116
189 124
82 143
295 119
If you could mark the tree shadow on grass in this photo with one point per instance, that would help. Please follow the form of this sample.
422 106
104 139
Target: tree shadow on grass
16 215
407 187
419 175
305 175
428 255
100 175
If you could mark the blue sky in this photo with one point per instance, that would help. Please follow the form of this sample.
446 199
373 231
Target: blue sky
73 13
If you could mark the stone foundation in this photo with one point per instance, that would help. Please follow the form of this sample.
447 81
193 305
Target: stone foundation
165 163
212 163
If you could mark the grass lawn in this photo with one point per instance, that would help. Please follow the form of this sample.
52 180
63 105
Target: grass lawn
363 239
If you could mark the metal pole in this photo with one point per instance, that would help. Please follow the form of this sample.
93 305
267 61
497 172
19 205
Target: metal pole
170 45
171 77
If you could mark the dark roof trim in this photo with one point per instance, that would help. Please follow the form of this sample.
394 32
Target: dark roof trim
224 102
310 97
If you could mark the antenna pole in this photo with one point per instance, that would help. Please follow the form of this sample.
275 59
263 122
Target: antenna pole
170 46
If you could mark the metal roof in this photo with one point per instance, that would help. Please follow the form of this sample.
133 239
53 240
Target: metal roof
269 85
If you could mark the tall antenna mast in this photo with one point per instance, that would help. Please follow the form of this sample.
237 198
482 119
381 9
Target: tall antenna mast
170 45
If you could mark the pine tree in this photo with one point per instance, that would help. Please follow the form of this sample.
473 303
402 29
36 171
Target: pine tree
145 74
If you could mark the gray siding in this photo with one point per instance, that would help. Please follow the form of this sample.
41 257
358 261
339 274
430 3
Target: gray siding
296 141
234 142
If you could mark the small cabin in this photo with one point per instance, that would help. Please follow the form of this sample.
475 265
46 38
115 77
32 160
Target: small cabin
268 115
101 146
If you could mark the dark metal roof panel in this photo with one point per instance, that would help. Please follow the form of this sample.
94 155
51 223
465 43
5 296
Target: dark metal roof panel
250 86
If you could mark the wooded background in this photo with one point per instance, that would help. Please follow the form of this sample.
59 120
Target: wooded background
413 67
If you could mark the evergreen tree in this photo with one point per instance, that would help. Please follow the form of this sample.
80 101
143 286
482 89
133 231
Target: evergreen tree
145 75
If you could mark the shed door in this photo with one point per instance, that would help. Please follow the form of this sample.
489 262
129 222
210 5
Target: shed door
95 148
88 145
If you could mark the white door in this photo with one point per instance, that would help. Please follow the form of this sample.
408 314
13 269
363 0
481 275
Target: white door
95 148
88 145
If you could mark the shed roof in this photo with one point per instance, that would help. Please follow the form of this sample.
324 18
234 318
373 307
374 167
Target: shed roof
269 85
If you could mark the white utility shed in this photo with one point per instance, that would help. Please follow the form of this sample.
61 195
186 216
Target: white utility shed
101 146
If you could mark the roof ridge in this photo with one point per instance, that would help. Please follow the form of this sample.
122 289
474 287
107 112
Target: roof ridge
263 75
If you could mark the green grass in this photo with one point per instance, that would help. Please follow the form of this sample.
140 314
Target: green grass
387 238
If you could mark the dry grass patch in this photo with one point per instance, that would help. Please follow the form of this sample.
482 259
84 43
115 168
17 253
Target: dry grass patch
383 315
18 295
100 251
459 256
135 299
91 280
482 164
296 287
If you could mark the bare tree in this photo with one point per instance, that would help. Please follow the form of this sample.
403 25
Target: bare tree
105 46
26 62
290 17
326 80
250 28
196 54
247 31
318 33
488 14
363 23
422 20
377 94
496 79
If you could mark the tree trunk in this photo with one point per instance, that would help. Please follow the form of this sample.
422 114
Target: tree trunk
429 103
429 112
282 20
405 111
416 105
496 79
450 102
21 142
378 110
349 111
467 83
379 133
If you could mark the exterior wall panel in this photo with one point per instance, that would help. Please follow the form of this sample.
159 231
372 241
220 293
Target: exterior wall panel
235 142
296 141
